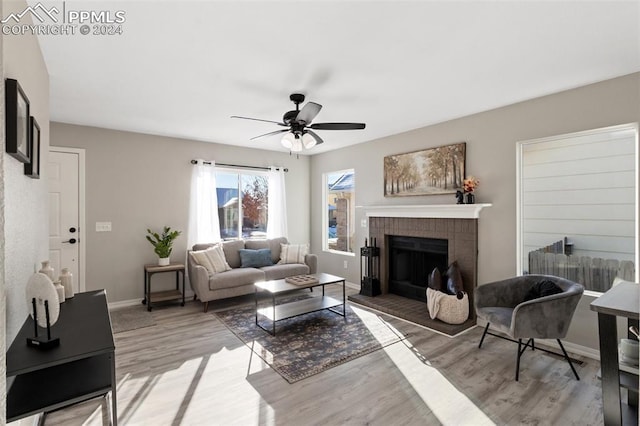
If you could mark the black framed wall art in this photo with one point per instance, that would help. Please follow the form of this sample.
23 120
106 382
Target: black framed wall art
32 168
17 118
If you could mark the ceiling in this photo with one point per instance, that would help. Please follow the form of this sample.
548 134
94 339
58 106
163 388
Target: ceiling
183 68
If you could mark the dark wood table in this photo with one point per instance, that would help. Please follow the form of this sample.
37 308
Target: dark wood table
162 296
81 368
623 300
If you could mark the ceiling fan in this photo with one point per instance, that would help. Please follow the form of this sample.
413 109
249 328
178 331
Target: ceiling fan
299 130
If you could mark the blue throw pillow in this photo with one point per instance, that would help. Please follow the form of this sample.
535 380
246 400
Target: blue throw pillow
255 258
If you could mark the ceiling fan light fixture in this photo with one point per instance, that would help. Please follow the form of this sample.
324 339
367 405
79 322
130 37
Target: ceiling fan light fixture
297 144
308 141
288 141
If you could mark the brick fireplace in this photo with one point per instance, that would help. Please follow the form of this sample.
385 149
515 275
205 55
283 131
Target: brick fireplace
455 224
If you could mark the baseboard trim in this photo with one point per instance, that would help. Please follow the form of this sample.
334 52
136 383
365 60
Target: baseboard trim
573 348
135 302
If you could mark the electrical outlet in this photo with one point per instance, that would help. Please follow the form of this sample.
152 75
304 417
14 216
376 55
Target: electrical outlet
346 264
103 226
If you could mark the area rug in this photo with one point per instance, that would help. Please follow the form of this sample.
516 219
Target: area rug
126 319
309 344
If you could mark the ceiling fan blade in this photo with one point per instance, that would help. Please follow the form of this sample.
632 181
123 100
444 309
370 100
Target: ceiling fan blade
338 126
308 112
269 134
260 119
316 137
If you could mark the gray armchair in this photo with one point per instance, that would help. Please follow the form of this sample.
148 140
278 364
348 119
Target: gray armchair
502 305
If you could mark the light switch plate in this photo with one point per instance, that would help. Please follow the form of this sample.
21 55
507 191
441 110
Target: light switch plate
103 226
363 223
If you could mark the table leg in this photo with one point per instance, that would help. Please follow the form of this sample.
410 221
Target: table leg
344 299
182 287
144 289
149 291
608 333
255 298
273 299
114 399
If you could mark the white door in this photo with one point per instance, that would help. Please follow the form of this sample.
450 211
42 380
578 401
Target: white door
66 237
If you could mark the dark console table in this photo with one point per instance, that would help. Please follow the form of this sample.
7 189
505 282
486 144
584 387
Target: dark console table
620 301
81 368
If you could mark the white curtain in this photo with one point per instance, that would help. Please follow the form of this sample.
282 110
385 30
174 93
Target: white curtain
277 208
204 224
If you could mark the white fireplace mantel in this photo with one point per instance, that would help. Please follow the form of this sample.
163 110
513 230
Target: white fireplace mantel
451 211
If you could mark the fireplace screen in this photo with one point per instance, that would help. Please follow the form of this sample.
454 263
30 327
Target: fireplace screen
411 260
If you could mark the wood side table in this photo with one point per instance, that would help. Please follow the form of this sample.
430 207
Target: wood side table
161 296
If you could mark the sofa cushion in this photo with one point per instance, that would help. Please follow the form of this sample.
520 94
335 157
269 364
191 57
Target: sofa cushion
200 247
273 244
232 252
235 278
255 258
541 289
293 253
212 259
278 272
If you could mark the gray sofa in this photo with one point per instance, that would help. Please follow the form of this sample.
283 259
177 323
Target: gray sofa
239 281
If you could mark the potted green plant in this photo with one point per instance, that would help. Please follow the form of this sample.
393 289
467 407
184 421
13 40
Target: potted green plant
162 243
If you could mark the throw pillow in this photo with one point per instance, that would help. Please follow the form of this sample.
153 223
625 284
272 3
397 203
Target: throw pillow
293 253
255 258
212 259
541 289
435 280
454 280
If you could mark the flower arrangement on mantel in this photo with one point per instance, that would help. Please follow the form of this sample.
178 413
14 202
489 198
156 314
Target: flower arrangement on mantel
470 184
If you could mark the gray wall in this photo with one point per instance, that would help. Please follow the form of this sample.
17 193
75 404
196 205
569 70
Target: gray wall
491 151
139 181
26 206
23 201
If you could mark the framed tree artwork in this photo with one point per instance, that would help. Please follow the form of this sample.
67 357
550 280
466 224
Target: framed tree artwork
32 168
432 171
17 117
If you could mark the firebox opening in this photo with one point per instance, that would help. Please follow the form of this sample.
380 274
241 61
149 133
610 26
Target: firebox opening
411 260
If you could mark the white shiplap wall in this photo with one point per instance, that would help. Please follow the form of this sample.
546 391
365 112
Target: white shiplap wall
582 186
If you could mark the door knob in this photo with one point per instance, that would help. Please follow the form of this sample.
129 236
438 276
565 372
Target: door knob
70 241
72 229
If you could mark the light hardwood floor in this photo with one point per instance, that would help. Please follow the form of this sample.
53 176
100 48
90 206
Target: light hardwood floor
189 369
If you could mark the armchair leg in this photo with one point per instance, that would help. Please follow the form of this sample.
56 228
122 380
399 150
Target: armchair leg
518 359
206 306
568 359
484 335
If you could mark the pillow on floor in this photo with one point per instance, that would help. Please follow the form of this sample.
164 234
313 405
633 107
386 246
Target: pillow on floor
435 280
454 280
293 253
255 258
212 259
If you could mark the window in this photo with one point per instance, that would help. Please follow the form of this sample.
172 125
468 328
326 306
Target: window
242 204
339 213
577 206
